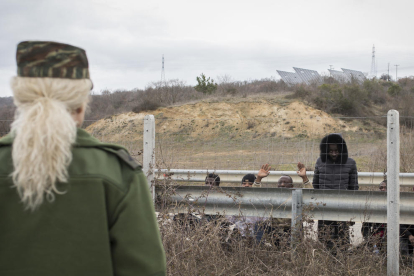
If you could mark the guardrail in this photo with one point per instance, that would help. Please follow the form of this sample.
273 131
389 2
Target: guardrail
337 205
326 204
235 176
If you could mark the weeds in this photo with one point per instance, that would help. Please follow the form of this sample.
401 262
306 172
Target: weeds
197 244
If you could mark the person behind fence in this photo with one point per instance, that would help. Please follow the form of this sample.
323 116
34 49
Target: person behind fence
245 224
249 180
375 233
334 169
212 180
407 239
69 204
285 181
280 227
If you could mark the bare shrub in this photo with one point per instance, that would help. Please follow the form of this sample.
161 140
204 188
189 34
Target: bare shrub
348 99
169 92
301 92
226 86
7 110
197 244
110 103
157 94
378 160
251 124
146 105
407 150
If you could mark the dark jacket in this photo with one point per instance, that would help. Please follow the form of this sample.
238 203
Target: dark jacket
340 174
104 223
406 230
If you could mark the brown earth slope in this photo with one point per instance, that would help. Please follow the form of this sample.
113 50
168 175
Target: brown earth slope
209 119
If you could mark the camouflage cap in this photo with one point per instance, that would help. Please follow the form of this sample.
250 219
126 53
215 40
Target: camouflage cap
52 60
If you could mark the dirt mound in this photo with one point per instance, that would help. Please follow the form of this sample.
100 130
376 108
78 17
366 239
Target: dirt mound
209 119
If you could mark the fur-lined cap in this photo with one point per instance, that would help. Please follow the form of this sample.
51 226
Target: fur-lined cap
334 138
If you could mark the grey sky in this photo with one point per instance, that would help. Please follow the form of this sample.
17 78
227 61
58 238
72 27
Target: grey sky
125 39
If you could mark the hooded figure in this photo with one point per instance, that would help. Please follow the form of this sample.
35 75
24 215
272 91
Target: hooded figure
334 169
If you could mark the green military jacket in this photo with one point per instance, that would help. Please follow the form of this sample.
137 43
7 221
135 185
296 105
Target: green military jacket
103 224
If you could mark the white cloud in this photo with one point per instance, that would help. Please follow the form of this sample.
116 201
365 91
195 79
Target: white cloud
124 40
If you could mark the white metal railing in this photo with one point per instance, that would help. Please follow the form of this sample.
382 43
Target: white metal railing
235 176
335 205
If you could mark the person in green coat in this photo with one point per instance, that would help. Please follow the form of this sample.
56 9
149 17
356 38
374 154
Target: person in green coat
69 204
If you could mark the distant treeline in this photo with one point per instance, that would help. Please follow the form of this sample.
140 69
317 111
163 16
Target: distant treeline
372 97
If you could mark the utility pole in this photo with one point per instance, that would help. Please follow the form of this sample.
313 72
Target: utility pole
396 71
373 72
330 68
388 77
162 72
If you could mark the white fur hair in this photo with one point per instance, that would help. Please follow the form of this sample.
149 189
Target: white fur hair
44 131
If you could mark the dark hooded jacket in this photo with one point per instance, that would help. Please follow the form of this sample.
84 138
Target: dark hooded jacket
340 174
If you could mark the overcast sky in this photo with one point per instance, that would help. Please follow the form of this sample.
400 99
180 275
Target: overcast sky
125 40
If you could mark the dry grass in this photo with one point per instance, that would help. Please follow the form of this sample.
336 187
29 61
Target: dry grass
378 160
196 246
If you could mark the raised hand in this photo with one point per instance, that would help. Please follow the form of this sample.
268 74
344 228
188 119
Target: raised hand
263 172
301 170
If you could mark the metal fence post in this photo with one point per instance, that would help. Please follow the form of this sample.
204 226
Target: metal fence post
393 192
148 158
296 217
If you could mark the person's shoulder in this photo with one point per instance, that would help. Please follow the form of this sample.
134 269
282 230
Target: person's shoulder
351 161
86 141
123 155
109 162
6 140
318 161
6 155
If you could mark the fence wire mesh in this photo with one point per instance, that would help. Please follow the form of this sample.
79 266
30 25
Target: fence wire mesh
248 143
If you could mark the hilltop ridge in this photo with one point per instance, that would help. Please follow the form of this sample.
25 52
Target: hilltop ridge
267 116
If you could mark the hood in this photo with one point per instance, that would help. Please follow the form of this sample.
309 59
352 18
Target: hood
334 138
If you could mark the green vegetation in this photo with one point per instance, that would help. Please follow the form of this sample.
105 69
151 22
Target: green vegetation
205 85
370 98
394 90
